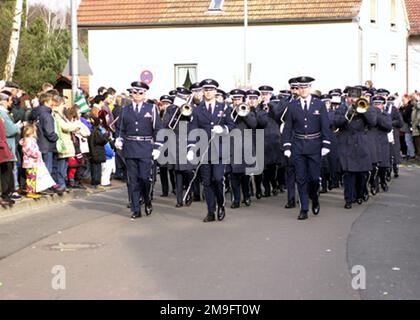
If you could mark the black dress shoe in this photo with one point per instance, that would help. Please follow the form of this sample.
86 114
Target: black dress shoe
221 213
258 195
359 201
148 209
210 217
234 205
248 202
267 195
348 205
136 215
164 195
179 205
303 215
275 192
396 175
291 204
384 187
188 200
315 207
324 190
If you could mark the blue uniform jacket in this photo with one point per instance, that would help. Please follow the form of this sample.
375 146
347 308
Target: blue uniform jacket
202 119
146 124
313 122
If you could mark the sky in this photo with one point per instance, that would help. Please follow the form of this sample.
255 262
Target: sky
53 4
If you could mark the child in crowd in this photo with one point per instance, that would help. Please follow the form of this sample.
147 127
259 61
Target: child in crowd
32 158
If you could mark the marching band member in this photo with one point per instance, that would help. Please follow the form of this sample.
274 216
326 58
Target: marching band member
353 145
139 125
177 117
382 129
166 170
307 139
243 119
211 116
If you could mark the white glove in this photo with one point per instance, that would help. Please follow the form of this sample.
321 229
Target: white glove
190 156
217 129
119 143
325 151
155 154
288 153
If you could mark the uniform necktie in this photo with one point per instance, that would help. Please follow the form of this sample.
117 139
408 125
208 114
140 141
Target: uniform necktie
305 106
210 110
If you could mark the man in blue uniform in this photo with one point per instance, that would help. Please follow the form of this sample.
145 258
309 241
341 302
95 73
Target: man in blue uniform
211 116
139 124
306 139
175 118
238 177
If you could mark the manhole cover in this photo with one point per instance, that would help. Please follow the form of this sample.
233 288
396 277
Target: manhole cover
72 246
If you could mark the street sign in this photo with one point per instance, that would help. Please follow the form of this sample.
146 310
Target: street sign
146 77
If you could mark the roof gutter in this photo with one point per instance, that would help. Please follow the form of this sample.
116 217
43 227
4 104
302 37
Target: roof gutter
212 23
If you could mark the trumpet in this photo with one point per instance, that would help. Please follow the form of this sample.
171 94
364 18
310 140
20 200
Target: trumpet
185 110
362 105
359 107
242 111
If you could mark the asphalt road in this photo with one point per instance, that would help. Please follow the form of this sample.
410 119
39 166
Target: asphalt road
260 252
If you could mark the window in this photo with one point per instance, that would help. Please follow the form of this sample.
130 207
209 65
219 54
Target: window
373 11
216 5
393 66
185 75
373 66
393 13
394 60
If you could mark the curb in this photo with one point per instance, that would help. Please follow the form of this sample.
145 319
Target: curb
26 204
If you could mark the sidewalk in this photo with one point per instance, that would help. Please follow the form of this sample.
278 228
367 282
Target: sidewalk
27 204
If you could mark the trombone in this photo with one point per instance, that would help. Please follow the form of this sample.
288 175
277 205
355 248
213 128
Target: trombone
241 111
185 110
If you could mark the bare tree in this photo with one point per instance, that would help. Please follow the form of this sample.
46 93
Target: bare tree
14 41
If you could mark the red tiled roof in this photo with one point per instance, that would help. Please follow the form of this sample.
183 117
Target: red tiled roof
178 12
413 10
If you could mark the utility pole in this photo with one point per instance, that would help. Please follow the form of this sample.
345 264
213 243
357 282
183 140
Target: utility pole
75 50
245 43
14 42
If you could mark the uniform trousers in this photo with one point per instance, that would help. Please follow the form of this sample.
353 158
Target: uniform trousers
308 172
238 181
140 174
212 176
182 179
291 181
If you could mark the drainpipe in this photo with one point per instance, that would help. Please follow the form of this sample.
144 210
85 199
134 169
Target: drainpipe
360 51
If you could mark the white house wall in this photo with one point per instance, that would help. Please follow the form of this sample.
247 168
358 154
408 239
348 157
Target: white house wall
388 45
327 52
414 64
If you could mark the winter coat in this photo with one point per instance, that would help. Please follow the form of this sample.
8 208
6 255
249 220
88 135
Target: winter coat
47 137
97 142
12 131
415 119
5 153
32 157
67 127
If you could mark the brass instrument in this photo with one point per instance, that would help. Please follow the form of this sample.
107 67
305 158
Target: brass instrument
242 111
359 107
362 105
185 110
266 108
